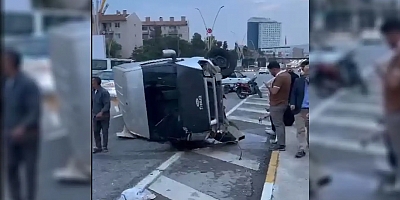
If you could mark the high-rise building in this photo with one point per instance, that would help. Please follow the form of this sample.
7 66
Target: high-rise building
263 33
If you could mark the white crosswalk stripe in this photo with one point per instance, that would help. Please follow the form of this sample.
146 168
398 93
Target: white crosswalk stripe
356 117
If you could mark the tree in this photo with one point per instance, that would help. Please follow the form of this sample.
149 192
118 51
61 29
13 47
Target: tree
246 51
219 44
152 48
113 49
225 45
156 32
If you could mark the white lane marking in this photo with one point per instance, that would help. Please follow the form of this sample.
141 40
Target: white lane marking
267 191
116 108
347 145
351 122
229 158
260 111
256 103
144 183
260 99
116 116
249 120
235 107
177 191
364 108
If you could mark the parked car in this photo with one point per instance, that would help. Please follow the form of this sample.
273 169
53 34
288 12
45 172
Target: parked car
263 70
107 81
235 78
371 37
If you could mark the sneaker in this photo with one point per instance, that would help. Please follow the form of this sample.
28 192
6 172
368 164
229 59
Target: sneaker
105 149
269 132
277 147
73 173
300 154
97 150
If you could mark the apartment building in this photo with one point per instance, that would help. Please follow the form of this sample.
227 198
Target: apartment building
169 27
124 28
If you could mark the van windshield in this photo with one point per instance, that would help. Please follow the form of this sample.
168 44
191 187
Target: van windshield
17 24
98 64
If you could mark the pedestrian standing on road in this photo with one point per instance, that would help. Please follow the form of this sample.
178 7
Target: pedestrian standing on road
300 104
391 91
279 90
101 115
21 120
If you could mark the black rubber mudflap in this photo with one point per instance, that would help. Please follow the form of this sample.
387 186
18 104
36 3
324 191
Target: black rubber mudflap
224 60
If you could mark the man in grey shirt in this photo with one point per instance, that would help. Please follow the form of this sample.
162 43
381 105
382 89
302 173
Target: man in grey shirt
21 125
101 115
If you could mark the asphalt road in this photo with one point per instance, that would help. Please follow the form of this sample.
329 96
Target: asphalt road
338 124
210 173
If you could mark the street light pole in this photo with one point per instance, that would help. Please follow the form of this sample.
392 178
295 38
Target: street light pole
209 35
216 16
201 15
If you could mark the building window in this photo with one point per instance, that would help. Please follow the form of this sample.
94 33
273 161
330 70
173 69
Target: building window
172 27
135 35
144 28
118 35
117 25
134 24
180 35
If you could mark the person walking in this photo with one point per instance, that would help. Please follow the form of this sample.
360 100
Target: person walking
21 120
279 90
300 104
390 73
101 115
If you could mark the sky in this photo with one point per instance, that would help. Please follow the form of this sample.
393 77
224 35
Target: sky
231 24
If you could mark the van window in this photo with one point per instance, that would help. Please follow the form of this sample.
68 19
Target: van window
119 62
30 47
52 20
18 24
99 64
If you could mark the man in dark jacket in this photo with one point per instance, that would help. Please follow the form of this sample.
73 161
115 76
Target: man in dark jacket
300 104
21 121
101 115
293 75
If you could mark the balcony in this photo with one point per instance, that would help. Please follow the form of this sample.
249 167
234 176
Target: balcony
173 32
107 34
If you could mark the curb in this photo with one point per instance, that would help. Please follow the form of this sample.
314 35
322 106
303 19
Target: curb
268 189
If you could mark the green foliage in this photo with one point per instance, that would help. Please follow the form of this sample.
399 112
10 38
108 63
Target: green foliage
113 49
225 45
152 48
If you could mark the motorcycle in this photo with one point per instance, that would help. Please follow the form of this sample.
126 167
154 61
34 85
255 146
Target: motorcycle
243 90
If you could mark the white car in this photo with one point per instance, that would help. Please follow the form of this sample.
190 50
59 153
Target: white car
263 70
107 81
234 78
371 37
